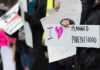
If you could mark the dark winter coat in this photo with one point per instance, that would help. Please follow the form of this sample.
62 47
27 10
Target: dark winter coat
89 58
90 13
37 57
93 17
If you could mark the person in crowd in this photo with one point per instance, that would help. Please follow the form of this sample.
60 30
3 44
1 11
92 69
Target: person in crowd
37 57
88 58
22 48
8 52
16 54
7 45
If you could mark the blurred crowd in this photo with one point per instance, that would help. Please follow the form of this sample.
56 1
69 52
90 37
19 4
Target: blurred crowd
20 56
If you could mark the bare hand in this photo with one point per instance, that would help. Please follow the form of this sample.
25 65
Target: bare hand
57 5
65 23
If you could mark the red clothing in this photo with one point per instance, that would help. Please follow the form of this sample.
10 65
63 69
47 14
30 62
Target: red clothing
3 39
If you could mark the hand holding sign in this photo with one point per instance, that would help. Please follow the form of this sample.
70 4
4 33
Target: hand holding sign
65 23
62 44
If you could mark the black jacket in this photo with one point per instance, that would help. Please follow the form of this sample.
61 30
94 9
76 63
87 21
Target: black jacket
93 17
89 58
90 12
37 57
36 26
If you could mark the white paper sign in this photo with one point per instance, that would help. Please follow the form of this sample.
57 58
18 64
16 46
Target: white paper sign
51 11
74 36
62 42
9 15
11 21
60 52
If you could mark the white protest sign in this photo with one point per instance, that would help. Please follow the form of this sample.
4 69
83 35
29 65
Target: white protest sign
66 5
74 36
62 42
5 17
51 11
11 21
74 14
60 52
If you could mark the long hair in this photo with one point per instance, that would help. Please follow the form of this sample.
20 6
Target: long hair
86 8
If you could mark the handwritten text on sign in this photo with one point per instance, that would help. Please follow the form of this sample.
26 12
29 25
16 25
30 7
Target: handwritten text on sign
78 36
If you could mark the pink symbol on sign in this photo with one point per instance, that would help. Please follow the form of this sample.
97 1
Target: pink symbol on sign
59 31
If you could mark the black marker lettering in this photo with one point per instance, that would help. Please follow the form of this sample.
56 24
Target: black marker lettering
50 37
83 39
